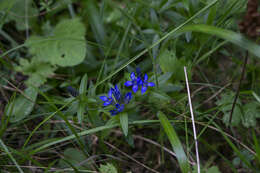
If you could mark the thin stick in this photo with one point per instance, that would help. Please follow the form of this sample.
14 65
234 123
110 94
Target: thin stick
193 121
238 88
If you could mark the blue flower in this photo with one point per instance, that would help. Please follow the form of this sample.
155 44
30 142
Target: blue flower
146 84
137 81
114 98
108 100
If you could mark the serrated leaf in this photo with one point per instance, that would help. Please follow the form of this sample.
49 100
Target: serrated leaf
250 114
225 104
108 168
124 123
21 107
36 70
66 48
175 142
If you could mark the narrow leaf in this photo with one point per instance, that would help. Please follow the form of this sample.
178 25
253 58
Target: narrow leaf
175 142
124 123
83 84
233 37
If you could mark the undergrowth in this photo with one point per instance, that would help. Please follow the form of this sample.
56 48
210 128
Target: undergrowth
99 86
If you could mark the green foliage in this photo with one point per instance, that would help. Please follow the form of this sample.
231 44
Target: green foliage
170 63
225 104
124 123
14 10
251 112
66 47
93 45
175 142
213 169
36 70
107 168
74 157
22 106
246 113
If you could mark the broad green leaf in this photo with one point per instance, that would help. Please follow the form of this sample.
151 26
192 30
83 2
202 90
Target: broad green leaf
21 107
124 122
36 70
175 142
107 168
250 114
225 104
66 48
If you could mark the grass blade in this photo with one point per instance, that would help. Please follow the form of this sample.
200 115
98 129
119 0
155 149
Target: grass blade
175 142
10 155
228 35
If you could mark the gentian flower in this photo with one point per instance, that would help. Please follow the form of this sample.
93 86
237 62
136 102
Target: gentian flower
146 84
114 98
137 81
108 100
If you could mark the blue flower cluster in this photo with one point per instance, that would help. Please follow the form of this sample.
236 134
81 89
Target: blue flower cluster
114 96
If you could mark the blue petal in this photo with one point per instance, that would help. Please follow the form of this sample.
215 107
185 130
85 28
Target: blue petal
119 107
104 98
107 103
110 92
128 83
116 89
151 84
145 77
139 81
143 89
132 76
135 88
113 112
